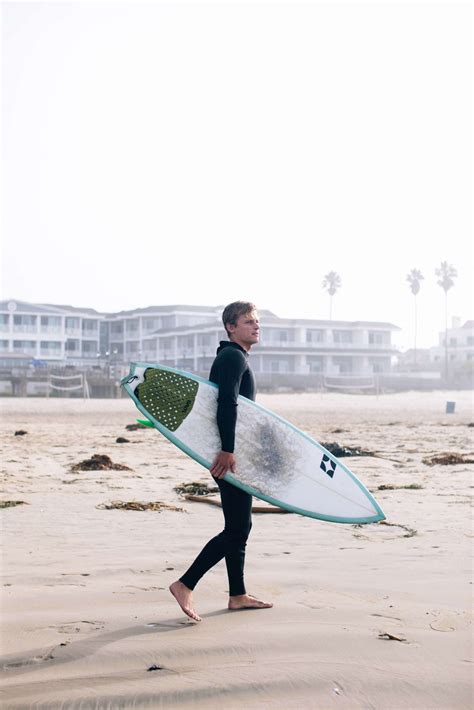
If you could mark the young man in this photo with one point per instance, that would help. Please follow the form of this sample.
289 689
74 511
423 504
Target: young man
231 372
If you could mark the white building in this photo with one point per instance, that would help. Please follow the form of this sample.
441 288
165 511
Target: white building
186 337
460 345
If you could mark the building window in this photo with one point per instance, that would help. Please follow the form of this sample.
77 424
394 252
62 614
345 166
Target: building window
89 347
342 336
89 325
116 328
3 344
344 365
315 364
151 324
72 345
314 336
24 345
73 323
24 320
51 322
379 337
131 326
453 342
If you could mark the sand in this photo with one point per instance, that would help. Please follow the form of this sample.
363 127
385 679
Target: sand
364 617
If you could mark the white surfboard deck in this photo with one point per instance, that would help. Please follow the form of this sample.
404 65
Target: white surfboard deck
276 462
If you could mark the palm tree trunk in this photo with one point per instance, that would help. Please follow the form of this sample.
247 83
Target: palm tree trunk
330 307
446 337
416 326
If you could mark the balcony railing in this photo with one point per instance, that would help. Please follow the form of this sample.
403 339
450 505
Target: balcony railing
25 329
50 352
292 344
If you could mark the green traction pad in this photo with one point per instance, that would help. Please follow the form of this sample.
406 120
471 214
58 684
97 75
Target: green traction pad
168 397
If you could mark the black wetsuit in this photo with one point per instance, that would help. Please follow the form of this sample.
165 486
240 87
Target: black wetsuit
231 372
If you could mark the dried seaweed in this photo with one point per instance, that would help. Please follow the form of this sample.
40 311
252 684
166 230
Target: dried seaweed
12 503
135 427
394 487
446 459
340 451
410 532
21 432
196 488
99 462
156 505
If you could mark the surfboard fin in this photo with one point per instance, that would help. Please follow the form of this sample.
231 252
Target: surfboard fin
145 422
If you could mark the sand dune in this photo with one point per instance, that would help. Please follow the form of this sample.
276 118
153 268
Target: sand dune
376 616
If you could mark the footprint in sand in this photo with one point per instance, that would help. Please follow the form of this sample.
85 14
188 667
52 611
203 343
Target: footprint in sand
75 627
445 622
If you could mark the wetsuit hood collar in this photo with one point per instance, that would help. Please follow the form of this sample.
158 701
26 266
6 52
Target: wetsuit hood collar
229 344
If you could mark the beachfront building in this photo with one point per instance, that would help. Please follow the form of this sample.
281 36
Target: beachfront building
287 347
460 345
186 337
50 333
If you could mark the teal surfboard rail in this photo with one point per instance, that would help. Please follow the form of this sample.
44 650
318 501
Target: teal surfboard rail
128 379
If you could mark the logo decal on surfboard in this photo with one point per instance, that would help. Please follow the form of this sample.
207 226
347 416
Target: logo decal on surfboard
328 466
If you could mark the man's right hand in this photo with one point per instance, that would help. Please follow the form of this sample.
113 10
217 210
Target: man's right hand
223 462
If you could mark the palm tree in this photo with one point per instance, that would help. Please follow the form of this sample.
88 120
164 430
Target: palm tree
446 275
414 278
331 282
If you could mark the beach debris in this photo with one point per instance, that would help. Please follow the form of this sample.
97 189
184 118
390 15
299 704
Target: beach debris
339 450
446 459
135 427
99 462
156 505
394 487
410 532
196 488
12 503
122 440
214 501
391 637
471 424
155 668
21 432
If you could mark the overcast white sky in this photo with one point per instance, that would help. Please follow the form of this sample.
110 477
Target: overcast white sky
201 153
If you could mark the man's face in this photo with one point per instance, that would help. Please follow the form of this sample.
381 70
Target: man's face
246 332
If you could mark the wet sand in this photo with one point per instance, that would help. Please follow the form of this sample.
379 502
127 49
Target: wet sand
366 617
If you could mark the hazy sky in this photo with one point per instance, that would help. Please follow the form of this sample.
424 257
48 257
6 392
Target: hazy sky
206 152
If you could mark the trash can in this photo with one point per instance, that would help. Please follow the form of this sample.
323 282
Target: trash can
450 407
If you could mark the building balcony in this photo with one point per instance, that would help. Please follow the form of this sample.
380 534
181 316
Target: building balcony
312 347
25 329
74 331
51 352
4 328
48 329
25 351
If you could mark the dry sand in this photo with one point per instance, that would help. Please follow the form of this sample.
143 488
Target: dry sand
85 606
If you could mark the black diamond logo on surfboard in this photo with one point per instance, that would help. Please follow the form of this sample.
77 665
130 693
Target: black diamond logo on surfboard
328 466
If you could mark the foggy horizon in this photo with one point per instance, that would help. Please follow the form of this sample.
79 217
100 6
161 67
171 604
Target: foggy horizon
159 154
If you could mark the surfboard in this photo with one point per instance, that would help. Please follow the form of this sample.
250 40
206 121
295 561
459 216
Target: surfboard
276 461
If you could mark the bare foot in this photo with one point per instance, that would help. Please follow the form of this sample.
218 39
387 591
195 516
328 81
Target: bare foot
246 601
184 597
